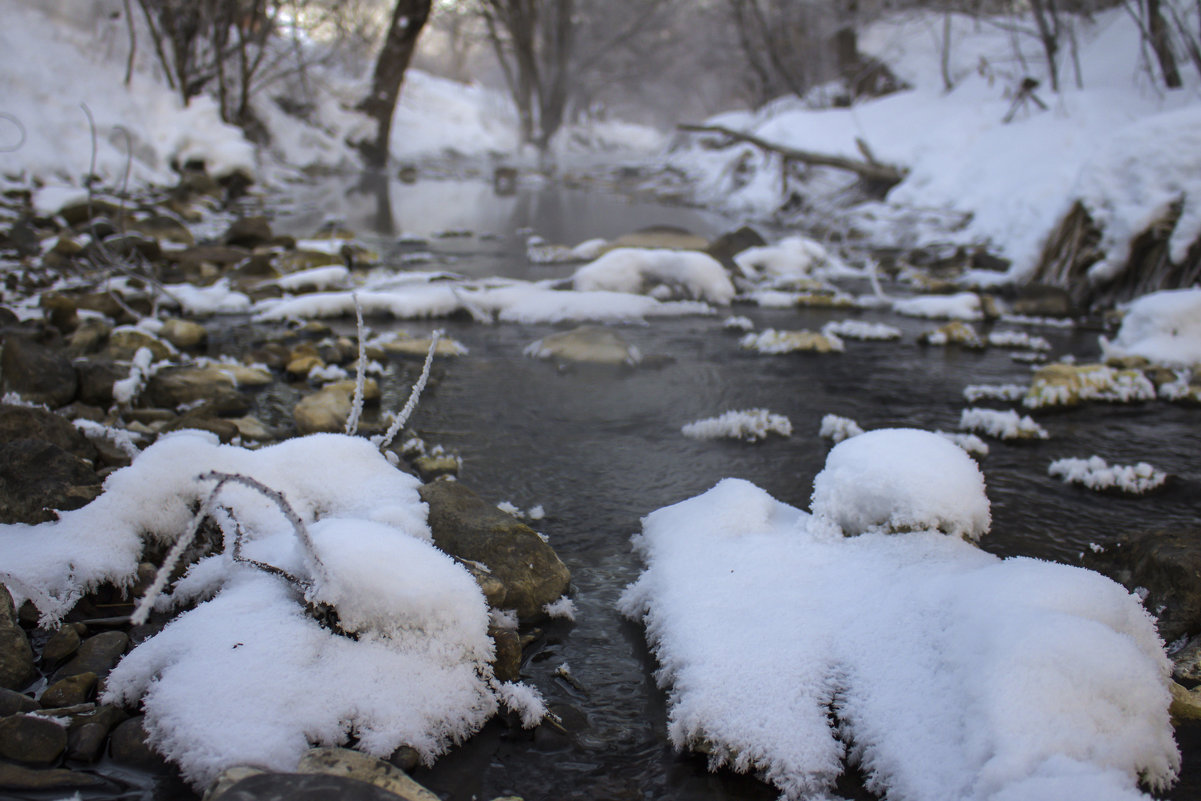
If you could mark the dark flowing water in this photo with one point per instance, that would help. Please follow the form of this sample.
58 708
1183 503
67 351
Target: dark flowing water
601 448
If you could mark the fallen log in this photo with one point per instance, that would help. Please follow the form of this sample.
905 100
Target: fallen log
870 170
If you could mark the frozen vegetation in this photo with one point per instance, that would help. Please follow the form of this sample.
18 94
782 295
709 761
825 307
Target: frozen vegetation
1097 474
751 425
791 644
1002 425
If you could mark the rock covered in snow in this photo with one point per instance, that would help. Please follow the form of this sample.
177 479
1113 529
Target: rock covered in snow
660 272
1072 384
772 341
586 344
1162 327
897 479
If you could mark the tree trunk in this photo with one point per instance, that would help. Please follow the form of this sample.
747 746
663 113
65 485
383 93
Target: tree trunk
1157 28
408 18
1048 31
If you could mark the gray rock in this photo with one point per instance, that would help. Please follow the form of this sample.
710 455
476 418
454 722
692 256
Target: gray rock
38 373
466 526
32 740
86 743
63 644
729 245
96 379
174 386
98 654
354 765
184 334
16 656
124 343
37 476
303 787
1168 565
14 703
16 777
70 690
228 778
127 745
249 232
587 344
29 422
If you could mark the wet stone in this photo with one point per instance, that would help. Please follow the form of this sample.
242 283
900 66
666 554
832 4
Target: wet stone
124 343
14 703
63 643
37 477
32 740
28 422
228 778
301 787
86 743
16 777
37 373
70 691
127 745
184 334
98 654
344 762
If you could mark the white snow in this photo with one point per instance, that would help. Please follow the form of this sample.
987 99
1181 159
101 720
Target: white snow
1001 392
751 425
791 257
1002 425
945 672
698 276
774 342
858 329
1162 327
961 306
1097 474
838 428
247 676
564 608
1018 339
895 479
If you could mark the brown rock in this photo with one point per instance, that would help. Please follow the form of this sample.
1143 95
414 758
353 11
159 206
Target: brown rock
128 746
37 373
32 740
28 422
16 656
70 691
37 477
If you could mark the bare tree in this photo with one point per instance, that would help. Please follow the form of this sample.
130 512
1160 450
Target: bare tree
408 18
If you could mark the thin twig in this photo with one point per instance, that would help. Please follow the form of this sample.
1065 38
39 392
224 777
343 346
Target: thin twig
414 395
360 375
4 115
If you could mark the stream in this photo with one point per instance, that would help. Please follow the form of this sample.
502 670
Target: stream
600 448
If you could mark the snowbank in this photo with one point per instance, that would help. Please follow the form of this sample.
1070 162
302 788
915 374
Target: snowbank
945 673
653 270
1162 327
1125 150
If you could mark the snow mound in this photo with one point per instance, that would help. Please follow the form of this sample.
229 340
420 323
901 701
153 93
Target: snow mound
961 306
1162 327
751 425
691 273
263 666
791 257
858 329
1097 474
901 479
944 672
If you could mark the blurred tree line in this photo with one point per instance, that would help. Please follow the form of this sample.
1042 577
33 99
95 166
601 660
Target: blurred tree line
655 61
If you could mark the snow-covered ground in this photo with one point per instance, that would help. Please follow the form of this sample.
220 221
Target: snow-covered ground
1120 144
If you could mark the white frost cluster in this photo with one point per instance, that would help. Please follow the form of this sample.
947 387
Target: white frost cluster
564 608
693 274
1101 384
839 428
1018 339
1000 392
773 342
738 323
1002 425
969 442
857 329
942 671
248 675
751 425
1097 474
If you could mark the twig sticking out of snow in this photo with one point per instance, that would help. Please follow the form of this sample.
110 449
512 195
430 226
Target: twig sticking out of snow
360 376
414 395
206 508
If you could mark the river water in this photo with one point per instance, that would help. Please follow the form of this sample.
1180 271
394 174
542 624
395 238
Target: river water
598 449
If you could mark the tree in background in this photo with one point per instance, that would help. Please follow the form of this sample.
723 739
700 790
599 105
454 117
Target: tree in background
408 18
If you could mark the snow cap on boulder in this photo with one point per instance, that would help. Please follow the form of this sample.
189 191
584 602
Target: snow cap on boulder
901 479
